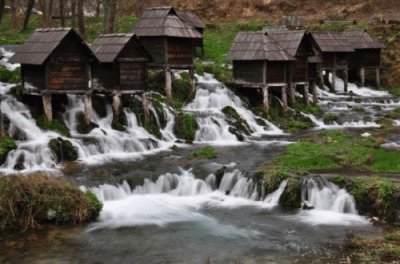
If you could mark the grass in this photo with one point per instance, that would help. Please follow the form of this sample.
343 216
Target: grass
206 152
6 145
56 125
185 126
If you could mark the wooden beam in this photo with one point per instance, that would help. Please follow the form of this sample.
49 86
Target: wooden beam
87 101
346 80
321 78
306 97
378 78
145 104
116 104
284 99
265 98
192 83
168 83
47 107
292 93
314 91
362 77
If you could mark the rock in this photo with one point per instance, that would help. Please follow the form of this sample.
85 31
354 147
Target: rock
185 126
63 149
306 207
219 174
239 126
366 135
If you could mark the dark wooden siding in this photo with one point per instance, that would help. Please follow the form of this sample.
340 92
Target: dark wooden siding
276 71
180 51
33 76
68 67
312 71
133 75
365 58
328 59
248 71
299 69
156 47
104 77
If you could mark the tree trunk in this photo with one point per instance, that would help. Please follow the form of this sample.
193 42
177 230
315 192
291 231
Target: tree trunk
2 5
49 21
28 12
62 13
98 4
73 13
106 8
111 16
13 14
81 21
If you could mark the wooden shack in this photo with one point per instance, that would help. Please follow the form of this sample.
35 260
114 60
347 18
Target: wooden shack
366 55
122 67
333 49
193 20
259 62
55 61
169 40
293 22
294 42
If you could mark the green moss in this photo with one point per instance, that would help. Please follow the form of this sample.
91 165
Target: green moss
57 125
8 76
26 202
181 88
63 149
239 126
206 152
330 118
291 197
185 126
340 181
6 145
119 122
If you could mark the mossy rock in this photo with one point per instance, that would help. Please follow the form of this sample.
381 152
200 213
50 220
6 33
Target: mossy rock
239 126
119 122
99 104
291 197
185 126
83 128
7 144
28 201
206 152
63 149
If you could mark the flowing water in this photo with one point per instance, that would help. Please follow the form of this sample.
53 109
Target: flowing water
162 207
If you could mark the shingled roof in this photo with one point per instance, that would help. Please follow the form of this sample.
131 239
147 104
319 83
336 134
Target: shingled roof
107 47
164 21
41 44
290 40
191 18
332 42
257 46
361 39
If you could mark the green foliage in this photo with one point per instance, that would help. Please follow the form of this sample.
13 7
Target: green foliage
330 118
119 122
293 126
395 114
206 152
339 181
57 125
8 76
27 201
6 145
341 26
185 126
63 149
181 88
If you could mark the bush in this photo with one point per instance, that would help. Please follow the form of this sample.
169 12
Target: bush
26 202
6 145
8 76
206 152
185 126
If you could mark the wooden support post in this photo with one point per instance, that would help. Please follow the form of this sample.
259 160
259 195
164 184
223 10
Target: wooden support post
378 78
362 77
292 93
284 98
192 83
47 107
306 97
333 86
346 80
314 91
87 100
265 98
321 79
145 103
168 83
116 104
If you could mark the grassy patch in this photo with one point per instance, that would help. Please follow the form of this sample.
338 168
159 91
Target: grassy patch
26 202
206 152
330 118
185 126
6 145
8 76
56 125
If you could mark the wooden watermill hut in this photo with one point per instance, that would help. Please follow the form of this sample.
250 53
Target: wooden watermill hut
367 53
259 62
169 40
122 67
333 50
55 61
295 43
193 20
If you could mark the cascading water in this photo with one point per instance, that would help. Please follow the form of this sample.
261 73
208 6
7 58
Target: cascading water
211 97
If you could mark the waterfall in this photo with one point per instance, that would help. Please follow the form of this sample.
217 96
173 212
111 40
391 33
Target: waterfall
320 194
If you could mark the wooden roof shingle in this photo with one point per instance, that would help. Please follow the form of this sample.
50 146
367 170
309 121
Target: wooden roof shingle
331 42
192 19
107 47
164 21
290 40
42 43
257 46
361 39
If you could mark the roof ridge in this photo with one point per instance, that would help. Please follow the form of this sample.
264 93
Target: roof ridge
53 29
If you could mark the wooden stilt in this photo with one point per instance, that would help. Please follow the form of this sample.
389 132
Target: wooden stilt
346 80
333 86
47 107
284 98
362 77
314 91
292 93
116 104
168 83
192 83
378 78
145 103
265 98
87 100
306 97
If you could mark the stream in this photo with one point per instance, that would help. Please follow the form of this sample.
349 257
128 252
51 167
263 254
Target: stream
162 207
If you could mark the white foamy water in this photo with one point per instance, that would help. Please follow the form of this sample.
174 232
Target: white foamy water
355 90
348 124
6 56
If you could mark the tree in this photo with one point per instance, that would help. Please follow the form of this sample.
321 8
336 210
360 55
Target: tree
28 12
73 13
81 21
2 5
49 13
111 16
13 14
62 13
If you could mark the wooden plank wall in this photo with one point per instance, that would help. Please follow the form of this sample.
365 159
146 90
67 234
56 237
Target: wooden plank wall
156 47
133 75
276 71
180 51
248 71
34 77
